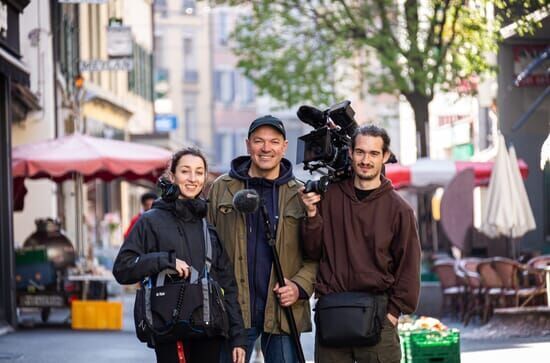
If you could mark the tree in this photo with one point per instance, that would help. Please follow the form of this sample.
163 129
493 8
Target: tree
293 49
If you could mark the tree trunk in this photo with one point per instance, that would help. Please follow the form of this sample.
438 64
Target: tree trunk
419 104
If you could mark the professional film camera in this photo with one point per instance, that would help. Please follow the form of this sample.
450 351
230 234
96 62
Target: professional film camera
325 149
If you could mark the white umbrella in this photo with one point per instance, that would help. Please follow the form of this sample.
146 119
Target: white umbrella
508 211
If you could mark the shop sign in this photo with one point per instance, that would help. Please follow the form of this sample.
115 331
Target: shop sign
98 65
119 41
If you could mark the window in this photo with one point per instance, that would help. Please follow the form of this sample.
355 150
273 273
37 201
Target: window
223 33
224 86
161 7
140 78
188 46
190 76
158 50
188 7
248 91
190 73
190 116
224 148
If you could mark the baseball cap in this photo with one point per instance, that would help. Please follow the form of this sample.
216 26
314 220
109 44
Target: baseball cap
267 120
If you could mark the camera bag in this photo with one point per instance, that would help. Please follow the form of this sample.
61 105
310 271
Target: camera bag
350 318
167 309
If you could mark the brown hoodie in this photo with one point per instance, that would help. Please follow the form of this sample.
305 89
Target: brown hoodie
368 245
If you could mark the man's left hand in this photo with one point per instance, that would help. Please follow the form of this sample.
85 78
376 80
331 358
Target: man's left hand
393 320
287 294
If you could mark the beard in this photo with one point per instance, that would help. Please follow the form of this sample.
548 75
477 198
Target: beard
374 173
367 177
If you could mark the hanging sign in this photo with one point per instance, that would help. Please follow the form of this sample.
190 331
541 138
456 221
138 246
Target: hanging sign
98 65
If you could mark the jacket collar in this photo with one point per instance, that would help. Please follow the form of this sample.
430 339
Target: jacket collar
234 185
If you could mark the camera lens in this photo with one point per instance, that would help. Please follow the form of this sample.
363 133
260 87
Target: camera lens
317 186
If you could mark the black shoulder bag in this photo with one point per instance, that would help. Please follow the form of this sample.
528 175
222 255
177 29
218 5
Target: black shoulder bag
350 318
168 309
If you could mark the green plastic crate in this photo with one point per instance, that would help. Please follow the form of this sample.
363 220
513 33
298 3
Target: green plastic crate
29 256
425 346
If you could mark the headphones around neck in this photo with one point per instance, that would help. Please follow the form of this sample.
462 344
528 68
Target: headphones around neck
169 191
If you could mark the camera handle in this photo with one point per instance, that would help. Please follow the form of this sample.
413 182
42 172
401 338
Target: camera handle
280 278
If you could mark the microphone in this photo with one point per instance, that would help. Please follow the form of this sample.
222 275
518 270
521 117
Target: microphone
246 201
312 116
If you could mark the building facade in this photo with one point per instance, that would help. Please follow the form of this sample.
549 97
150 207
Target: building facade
14 104
515 53
183 74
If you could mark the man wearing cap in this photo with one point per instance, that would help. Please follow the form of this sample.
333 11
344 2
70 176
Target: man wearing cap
267 171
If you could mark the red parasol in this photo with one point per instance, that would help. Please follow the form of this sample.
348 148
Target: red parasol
89 156
82 158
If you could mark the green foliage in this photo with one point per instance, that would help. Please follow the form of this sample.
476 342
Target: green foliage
295 50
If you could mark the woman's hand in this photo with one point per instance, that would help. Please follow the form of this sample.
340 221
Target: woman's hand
183 268
238 355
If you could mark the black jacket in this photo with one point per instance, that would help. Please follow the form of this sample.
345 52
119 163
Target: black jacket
173 230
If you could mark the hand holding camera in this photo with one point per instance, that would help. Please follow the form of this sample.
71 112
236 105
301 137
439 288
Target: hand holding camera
310 199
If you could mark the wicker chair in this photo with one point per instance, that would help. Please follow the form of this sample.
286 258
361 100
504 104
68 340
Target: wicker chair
468 267
535 267
515 277
452 289
491 288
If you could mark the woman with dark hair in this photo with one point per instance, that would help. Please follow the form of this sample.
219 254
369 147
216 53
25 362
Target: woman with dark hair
170 236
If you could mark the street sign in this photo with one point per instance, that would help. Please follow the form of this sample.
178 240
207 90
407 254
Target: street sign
166 123
119 41
98 65
82 1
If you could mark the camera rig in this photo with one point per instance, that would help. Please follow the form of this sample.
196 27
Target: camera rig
326 148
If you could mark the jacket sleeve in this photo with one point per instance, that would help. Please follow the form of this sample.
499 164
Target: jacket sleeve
226 279
312 236
307 274
405 251
133 262
212 203
305 277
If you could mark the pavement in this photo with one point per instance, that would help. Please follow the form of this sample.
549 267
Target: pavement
55 342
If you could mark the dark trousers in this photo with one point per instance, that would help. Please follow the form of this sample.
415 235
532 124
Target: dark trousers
388 350
195 351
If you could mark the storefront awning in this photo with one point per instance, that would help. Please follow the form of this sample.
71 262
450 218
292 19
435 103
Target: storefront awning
24 101
14 68
105 108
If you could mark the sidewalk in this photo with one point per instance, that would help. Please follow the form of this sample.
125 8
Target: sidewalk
57 343
478 347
